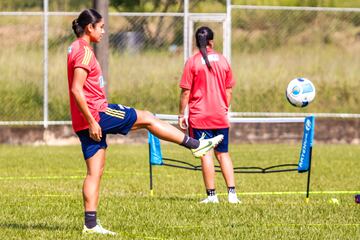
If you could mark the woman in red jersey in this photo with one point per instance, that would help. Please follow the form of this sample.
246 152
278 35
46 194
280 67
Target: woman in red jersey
206 85
93 117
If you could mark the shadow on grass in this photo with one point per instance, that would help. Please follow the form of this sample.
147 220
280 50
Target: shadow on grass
38 226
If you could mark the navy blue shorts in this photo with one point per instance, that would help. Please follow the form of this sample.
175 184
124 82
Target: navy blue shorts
117 119
210 133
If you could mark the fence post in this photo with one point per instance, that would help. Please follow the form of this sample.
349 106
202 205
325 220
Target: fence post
228 30
186 30
102 48
45 64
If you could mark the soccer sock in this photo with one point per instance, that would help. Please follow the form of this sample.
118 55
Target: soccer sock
190 142
210 192
231 190
90 219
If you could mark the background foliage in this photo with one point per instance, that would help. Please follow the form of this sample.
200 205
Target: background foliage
269 48
165 5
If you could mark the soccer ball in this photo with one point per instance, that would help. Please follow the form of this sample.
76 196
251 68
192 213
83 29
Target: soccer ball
300 92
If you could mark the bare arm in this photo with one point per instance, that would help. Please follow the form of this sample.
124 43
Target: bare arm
184 100
228 95
80 76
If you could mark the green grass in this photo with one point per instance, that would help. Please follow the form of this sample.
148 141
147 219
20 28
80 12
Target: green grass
41 195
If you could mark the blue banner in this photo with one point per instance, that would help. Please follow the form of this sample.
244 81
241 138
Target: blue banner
154 150
307 143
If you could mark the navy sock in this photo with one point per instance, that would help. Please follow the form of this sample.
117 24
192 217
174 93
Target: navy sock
90 219
190 142
210 192
231 190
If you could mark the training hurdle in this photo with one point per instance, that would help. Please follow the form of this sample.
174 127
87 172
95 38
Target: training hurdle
302 166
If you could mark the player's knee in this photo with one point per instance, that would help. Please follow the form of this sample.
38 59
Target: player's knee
146 117
222 156
149 114
96 173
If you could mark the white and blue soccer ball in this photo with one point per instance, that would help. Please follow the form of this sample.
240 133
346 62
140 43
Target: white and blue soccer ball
300 92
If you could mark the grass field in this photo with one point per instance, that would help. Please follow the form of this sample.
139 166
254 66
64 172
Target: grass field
41 195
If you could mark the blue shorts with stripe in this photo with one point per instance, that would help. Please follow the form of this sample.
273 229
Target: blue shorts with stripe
117 119
223 146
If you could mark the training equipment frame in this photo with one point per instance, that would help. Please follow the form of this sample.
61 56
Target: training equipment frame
303 165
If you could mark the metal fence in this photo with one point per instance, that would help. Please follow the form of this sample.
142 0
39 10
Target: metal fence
268 45
272 45
145 50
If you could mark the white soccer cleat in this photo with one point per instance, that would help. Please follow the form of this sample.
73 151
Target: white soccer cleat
211 199
206 145
98 229
232 198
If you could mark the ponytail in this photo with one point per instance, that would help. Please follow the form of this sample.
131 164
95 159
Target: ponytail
88 16
203 35
79 31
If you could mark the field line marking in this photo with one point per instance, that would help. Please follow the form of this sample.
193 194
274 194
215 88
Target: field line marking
284 193
315 224
39 195
106 175
41 177
279 225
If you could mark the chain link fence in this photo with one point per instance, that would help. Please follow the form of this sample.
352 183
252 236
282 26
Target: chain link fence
269 47
272 45
145 60
21 68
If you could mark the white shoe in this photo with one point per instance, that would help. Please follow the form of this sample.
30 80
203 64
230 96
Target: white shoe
211 199
206 145
233 198
97 229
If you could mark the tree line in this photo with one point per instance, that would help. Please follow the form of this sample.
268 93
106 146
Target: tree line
162 5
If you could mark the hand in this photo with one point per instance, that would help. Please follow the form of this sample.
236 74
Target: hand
95 131
182 122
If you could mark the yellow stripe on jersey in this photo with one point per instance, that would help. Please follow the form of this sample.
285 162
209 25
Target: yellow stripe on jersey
115 113
87 56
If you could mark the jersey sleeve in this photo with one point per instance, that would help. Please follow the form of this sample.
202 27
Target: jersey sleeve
187 77
82 58
230 81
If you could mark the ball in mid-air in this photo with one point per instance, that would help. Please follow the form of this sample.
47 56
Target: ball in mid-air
300 92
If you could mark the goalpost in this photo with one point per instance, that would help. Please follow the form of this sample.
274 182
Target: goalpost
303 165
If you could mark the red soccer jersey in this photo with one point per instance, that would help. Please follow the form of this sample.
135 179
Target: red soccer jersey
81 55
208 106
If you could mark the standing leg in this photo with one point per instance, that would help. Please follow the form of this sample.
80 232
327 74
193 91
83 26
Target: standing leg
95 168
208 171
227 170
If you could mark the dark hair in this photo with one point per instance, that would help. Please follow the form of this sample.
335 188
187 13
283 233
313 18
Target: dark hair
203 35
88 16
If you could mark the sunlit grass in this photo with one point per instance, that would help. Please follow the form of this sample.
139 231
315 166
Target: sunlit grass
41 195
